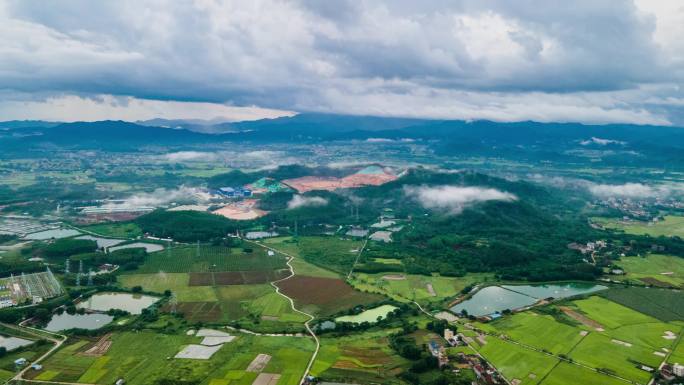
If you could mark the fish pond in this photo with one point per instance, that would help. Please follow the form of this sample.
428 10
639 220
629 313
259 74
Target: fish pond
370 315
493 299
66 321
132 303
11 343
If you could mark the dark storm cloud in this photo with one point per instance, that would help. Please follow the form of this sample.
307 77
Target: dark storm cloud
594 61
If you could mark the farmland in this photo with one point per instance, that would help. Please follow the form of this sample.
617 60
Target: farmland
142 358
364 358
670 226
655 269
328 252
324 296
115 230
185 259
413 287
663 304
614 341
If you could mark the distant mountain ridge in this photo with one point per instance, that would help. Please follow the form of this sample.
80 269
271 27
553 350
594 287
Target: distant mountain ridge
556 141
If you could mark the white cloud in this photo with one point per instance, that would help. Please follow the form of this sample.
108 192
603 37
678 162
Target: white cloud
161 197
454 198
600 141
627 190
69 108
189 156
298 201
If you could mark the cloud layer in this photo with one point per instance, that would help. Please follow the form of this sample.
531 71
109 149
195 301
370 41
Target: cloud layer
628 190
454 199
592 61
298 201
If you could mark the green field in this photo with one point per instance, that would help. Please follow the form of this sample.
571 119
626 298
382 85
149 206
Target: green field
185 259
289 246
147 358
516 362
579 375
656 269
670 226
176 282
414 287
328 252
115 230
537 330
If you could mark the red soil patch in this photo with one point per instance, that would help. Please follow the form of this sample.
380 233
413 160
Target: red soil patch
310 183
329 295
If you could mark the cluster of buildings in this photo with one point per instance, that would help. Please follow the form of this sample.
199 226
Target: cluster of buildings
234 192
589 247
672 372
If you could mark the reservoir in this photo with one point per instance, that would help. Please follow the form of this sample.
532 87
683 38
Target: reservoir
494 299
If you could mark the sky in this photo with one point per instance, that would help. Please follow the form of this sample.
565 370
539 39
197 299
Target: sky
593 61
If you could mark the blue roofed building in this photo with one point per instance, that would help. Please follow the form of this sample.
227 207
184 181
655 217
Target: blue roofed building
235 192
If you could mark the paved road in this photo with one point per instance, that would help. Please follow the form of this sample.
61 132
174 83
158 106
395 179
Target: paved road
58 340
307 324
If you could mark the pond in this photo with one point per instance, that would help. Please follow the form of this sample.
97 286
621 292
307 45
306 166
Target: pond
11 343
150 247
54 233
132 303
101 242
66 321
370 315
494 299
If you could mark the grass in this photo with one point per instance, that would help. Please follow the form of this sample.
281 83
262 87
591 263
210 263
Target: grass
115 230
649 269
329 252
185 259
414 287
291 247
609 314
579 375
670 226
147 357
516 362
541 331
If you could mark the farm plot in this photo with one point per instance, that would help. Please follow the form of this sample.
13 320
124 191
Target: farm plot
116 230
665 305
143 358
516 362
654 269
178 283
561 373
324 296
413 287
329 252
670 226
237 277
186 259
541 331
365 357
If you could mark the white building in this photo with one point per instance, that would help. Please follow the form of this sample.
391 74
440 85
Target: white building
678 370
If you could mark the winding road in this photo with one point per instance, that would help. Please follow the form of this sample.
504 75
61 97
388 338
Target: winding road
307 324
58 340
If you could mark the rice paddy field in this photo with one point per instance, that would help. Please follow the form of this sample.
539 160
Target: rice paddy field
146 357
361 358
594 332
653 269
663 304
413 287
